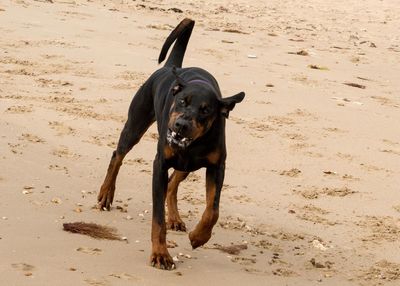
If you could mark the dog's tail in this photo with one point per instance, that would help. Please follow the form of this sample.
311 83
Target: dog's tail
181 35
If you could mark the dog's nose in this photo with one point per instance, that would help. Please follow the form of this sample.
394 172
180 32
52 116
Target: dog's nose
181 125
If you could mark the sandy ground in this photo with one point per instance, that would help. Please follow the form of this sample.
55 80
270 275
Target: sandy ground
312 179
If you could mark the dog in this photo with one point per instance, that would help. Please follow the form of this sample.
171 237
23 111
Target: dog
190 113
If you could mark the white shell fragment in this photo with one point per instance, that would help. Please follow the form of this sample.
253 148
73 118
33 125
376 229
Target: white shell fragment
317 244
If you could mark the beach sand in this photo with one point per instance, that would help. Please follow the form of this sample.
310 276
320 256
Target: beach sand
311 193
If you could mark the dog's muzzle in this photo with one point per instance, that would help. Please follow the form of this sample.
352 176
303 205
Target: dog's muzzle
175 139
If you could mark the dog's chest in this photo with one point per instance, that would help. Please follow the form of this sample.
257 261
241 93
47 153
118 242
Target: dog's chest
188 162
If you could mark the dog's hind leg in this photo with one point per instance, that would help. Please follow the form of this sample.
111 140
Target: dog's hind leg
174 221
140 117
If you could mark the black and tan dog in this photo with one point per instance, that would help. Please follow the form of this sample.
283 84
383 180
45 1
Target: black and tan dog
190 115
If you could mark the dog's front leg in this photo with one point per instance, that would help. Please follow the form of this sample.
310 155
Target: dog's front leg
160 257
214 180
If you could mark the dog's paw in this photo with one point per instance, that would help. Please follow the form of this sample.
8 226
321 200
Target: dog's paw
105 199
162 261
199 238
103 204
177 225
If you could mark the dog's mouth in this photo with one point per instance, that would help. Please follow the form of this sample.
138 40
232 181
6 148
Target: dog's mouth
174 138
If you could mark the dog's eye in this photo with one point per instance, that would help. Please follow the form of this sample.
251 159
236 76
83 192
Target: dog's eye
205 110
182 102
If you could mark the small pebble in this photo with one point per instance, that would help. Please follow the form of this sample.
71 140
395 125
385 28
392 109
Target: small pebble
56 201
4 218
128 217
78 210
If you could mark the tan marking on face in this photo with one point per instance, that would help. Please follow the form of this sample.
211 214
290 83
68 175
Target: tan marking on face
198 129
173 116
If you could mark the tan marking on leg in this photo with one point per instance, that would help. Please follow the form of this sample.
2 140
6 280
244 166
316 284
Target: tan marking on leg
106 194
174 220
168 152
202 233
214 157
160 257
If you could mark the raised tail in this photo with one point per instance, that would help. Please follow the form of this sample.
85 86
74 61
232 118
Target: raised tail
181 35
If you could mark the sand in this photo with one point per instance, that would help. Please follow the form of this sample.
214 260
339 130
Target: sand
311 194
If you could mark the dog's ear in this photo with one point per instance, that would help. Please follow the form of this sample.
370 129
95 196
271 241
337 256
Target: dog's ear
228 103
179 82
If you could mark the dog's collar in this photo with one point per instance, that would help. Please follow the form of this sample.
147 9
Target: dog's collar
202 81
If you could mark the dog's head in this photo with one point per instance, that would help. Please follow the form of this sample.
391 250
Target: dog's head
194 110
